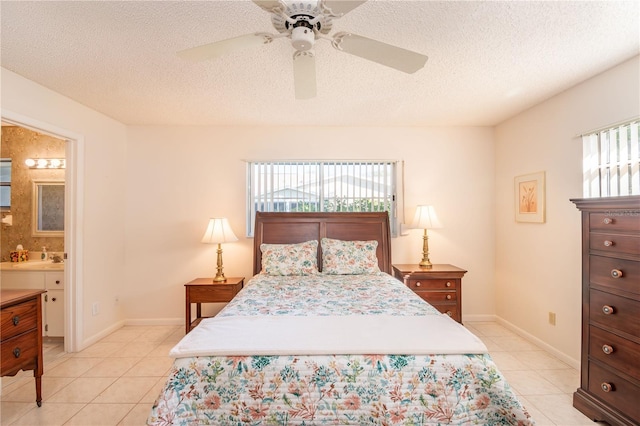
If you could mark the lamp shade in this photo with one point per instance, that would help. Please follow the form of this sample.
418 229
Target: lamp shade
425 218
218 231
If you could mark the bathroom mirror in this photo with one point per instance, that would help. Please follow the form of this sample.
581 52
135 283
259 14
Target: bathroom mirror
48 208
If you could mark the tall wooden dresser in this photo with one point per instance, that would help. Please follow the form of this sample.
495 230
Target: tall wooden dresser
610 355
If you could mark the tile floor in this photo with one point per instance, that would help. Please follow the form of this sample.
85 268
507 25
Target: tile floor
115 381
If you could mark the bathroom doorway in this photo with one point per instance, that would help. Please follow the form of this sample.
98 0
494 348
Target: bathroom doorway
72 144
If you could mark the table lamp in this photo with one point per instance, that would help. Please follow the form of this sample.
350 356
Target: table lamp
218 232
425 218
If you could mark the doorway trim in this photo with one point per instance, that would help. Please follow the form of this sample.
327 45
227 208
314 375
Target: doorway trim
74 220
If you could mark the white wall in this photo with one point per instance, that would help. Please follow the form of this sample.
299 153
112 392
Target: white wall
178 177
101 235
538 265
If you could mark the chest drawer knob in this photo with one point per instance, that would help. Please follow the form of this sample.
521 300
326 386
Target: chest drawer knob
16 352
616 273
606 387
448 284
418 284
607 221
450 313
608 243
448 297
607 349
607 310
16 320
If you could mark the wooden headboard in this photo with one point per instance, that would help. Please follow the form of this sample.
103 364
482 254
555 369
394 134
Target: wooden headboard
290 228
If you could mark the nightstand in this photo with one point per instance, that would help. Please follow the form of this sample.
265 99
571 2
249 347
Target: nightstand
204 290
440 285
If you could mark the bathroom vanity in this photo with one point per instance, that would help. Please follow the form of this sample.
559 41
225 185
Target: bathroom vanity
40 275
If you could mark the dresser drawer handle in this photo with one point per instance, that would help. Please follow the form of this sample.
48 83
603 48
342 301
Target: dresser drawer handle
608 243
418 284
607 349
607 221
607 310
448 297
450 313
616 273
16 352
16 320
448 284
606 387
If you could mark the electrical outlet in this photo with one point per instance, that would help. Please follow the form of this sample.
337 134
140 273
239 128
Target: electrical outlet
552 318
95 309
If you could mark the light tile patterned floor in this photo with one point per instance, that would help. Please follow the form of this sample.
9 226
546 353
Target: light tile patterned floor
115 381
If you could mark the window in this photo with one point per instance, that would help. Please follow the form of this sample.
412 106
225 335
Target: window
611 161
5 183
321 186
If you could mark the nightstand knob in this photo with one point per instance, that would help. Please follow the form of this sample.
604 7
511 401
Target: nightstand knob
448 284
16 352
607 349
606 387
608 243
418 284
16 320
450 313
616 273
448 297
607 221
607 310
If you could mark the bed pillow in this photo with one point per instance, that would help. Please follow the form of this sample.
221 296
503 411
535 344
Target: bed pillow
349 257
290 259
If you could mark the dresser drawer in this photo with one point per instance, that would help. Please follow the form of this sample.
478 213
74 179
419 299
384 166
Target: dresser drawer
434 297
20 352
613 311
616 221
615 351
615 243
614 390
617 274
417 284
19 318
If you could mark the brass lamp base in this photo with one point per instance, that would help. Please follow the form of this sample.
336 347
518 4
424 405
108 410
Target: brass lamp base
425 262
219 274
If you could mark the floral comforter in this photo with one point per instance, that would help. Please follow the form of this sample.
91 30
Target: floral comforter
335 389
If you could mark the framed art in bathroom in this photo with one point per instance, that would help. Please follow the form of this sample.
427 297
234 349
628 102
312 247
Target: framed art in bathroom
530 197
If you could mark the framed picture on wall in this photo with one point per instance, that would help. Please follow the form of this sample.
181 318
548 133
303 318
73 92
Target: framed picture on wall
529 198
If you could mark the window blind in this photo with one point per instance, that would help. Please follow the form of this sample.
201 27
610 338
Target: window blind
611 161
321 186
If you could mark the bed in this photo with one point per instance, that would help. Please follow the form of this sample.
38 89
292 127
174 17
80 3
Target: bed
323 335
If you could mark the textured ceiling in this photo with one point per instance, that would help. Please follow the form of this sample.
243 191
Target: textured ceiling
488 60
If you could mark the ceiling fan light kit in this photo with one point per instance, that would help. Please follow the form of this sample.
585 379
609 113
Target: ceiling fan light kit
304 22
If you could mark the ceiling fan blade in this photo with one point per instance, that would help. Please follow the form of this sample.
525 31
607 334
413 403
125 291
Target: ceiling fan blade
268 5
377 51
219 48
340 7
304 74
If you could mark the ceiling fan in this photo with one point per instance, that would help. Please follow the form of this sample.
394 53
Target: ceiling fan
304 22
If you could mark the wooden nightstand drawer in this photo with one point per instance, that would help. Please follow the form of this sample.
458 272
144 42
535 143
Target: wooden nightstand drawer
417 284
19 318
217 294
204 290
440 286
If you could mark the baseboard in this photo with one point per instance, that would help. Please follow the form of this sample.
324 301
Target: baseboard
155 321
479 318
98 336
575 363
